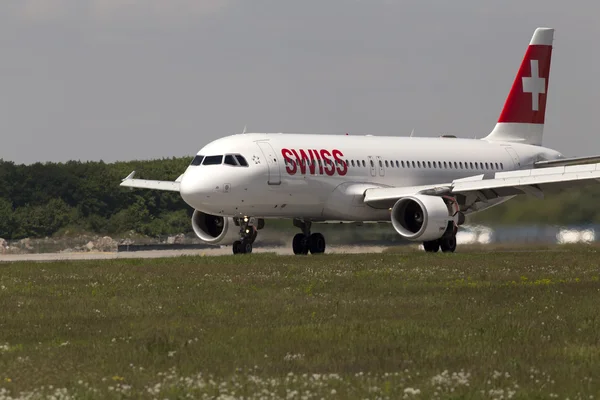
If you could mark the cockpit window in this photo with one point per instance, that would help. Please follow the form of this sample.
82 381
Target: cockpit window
197 160
229 160
241 160
212 160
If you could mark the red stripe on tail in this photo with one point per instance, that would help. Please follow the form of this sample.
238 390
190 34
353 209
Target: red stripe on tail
526 102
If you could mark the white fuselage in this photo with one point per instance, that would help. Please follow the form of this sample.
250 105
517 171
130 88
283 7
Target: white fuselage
323 177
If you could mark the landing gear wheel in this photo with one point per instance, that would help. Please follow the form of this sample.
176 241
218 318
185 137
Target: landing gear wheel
242 247
316 243
432 246
448 244
237 247
300 244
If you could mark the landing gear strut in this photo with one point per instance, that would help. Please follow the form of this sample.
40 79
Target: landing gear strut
248 234
446 243
305 241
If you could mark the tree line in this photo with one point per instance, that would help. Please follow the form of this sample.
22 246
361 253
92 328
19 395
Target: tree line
44 199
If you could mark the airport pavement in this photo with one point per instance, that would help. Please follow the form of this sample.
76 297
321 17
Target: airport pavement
172 253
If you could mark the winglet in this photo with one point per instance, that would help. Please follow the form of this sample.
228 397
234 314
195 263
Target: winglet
130 176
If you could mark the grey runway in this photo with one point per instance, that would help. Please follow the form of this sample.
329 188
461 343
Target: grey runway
172 253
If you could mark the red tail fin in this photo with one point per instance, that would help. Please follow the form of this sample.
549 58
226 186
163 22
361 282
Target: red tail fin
522 118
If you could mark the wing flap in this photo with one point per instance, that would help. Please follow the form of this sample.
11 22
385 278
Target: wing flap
129 181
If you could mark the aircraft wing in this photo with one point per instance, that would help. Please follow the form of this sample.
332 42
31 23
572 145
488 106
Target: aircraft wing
129 181
536 182
567 161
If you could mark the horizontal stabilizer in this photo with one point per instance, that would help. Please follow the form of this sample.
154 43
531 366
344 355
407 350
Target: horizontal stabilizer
129 181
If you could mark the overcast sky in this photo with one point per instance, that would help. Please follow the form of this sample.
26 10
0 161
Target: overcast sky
141 79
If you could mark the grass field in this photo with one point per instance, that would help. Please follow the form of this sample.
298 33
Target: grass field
395 325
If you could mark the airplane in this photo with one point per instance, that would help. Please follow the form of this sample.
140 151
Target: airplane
424 186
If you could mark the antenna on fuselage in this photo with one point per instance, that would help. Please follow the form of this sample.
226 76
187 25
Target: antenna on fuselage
412 132
244 131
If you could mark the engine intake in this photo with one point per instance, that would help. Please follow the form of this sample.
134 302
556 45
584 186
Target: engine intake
421 217
214 229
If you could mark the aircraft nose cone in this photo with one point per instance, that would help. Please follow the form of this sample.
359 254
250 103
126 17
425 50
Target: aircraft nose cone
189 187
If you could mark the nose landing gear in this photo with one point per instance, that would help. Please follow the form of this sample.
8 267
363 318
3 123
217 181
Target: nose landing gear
306 242
248 234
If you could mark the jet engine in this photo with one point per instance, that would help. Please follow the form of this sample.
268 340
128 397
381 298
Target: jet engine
421 217
214 229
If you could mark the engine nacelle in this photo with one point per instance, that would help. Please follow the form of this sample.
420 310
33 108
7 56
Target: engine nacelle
421 217
214 229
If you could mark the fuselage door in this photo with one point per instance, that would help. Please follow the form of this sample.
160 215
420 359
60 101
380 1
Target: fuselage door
372 166
380 165
272 162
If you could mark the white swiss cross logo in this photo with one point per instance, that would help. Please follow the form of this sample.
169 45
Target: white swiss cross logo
534 85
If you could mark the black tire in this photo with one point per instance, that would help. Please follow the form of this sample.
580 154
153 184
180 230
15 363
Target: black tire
300 244
316 243
247 247
237 247
448 244
432 246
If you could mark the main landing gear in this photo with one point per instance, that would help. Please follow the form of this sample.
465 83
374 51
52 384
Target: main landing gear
305 241
446 243
248 234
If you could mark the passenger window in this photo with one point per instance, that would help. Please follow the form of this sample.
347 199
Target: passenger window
471 165
197 160
380 164
241 160
372 164
414 165
429 164
353 163
363 163
487 166
212 160
397 164
501 166
402 163
497 166
386 163
460 165
229 160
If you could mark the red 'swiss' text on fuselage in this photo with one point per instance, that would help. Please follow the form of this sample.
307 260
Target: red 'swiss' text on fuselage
323 162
